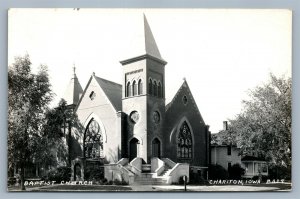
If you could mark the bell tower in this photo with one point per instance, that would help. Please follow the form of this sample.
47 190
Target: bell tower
143 96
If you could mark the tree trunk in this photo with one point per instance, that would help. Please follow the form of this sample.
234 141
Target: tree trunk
69 144
22 176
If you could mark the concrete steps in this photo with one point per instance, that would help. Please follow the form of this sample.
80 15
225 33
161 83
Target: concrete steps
148 179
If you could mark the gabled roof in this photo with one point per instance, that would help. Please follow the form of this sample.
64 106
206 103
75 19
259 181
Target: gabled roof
74 90
113 91
184 85
143 44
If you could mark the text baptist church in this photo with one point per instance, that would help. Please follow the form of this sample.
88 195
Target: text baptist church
130 130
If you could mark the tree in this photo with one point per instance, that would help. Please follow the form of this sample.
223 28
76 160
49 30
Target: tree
28 98
264 125
61 121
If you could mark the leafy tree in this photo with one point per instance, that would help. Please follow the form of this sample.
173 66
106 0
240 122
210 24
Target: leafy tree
28 98
264 125
61 122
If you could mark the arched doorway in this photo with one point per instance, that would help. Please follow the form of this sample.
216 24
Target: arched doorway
77 172
156 148
133 148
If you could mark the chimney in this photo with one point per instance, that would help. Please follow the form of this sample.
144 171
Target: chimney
225 126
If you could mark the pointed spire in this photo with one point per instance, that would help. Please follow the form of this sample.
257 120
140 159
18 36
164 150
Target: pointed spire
74 69
150 44
143 43
74 90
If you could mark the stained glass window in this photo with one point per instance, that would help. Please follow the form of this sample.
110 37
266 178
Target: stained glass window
93 141
184 142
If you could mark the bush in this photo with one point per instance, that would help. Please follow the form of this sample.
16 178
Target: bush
236 172
279 172
118 182
217 172
196 178
94 173
59 174
11 181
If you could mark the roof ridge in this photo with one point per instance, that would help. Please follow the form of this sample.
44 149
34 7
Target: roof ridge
108 80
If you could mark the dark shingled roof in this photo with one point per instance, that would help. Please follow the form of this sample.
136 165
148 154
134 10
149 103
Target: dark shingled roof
113 92
252 158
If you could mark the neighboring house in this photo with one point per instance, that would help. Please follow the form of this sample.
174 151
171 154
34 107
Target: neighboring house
254 166
225 155
130 126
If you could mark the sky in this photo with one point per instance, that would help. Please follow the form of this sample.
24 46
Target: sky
222 53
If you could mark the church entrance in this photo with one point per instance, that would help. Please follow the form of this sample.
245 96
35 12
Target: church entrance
77 172
156 148
133 150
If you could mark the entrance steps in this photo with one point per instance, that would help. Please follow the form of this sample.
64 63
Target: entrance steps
148 179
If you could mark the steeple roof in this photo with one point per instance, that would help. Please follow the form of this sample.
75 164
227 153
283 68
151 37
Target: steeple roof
74 90
143 44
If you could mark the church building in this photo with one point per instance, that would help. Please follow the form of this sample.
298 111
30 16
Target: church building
130 131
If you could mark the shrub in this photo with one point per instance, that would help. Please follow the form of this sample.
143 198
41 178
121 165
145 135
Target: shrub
95 173
279 172
59 174
236 172
217 172
196 178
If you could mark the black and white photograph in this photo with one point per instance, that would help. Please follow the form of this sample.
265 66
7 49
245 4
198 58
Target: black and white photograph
149 100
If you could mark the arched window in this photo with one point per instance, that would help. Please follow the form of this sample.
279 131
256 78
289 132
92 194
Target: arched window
93 141
154 88
134 89
184 142
159 90
140 87
150 87
128 90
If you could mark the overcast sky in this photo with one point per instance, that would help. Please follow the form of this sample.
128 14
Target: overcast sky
221 53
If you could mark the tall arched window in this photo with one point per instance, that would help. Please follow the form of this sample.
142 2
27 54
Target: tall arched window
93 141
128 90
150 87
159 90
140 87
134 89
154 88
184 142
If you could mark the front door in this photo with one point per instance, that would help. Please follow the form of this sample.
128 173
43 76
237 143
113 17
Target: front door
133 149
156 148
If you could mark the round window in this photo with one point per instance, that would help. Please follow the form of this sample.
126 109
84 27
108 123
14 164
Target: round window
134 116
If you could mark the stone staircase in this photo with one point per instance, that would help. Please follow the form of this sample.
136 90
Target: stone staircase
166 172
148 179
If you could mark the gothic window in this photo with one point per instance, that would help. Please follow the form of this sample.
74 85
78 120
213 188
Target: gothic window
154 88
159 90
134 88
150 87
92 95
128 90
184 142
93 141
140 87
